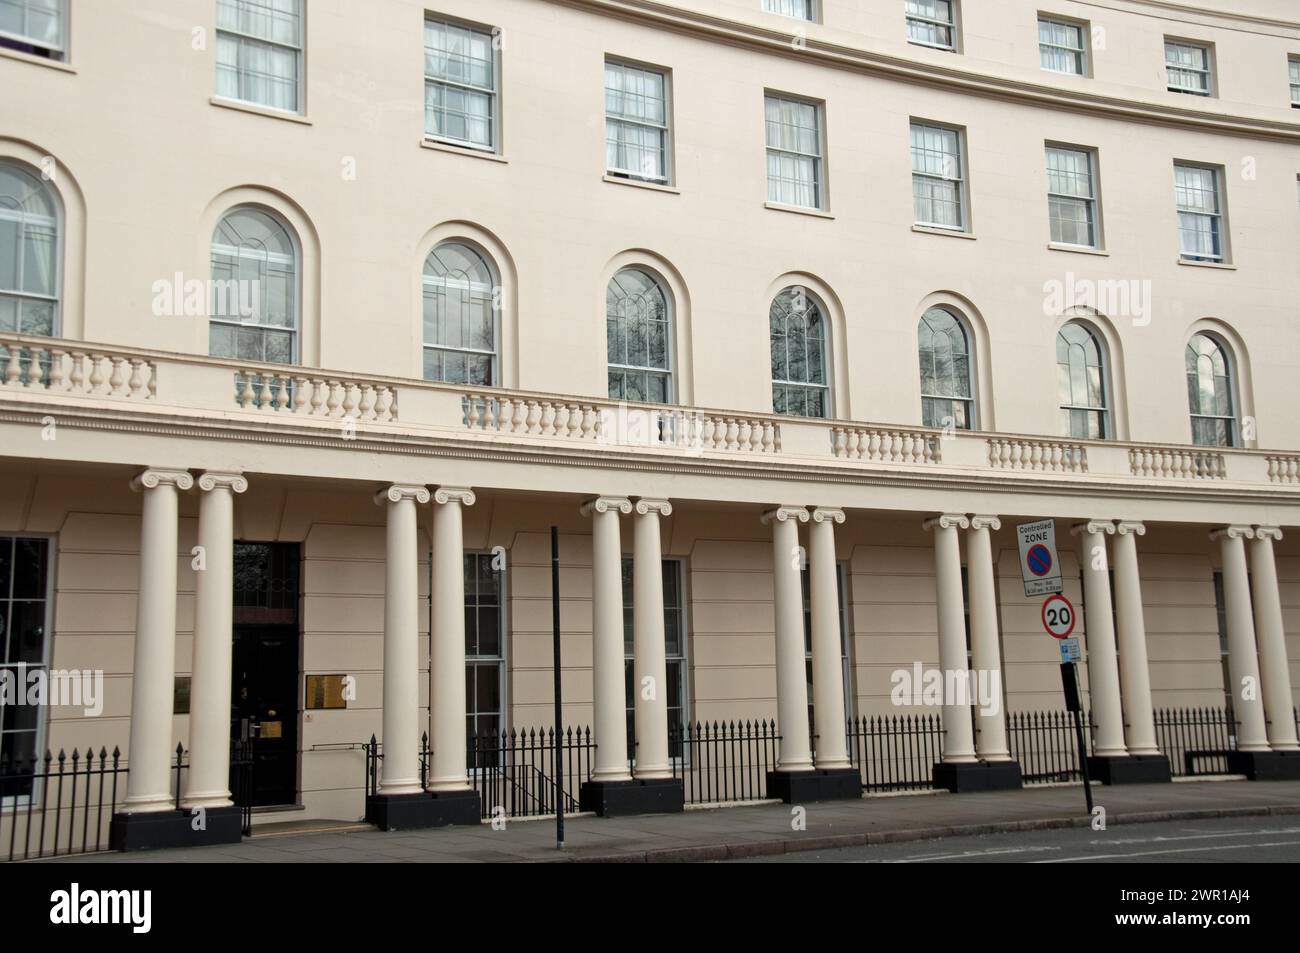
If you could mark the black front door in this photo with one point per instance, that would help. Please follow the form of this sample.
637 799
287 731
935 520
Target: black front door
265 708
264 689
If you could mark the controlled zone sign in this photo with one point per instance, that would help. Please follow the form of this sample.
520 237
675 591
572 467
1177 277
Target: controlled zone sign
1058 616
1040 567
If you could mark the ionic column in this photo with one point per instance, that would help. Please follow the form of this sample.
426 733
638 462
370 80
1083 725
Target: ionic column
827 653
401 721
447 656
1134 671
208 780
791 675
608 688
1243 663
1275 678
149 753
986 653
1103 665
650 665
958 739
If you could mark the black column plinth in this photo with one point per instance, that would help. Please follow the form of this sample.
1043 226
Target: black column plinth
629 798
1265 765
408 812
824 784
965 777
1130 769
175 828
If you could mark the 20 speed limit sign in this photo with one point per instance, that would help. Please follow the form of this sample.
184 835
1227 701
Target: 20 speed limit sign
1058 616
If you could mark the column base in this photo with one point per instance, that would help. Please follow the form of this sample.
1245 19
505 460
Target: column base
1265 765
628 798
408 812
1130 769
825 784
964 777
160 829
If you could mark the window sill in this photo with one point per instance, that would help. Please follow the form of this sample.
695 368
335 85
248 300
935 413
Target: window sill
439 146
1078 249
948 232
22 57
798 210
638 184
259 110
1221 266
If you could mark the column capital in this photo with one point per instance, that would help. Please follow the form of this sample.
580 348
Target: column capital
1236 531
947 521
783 513
454 494
1103 527
985 522
646 506
399 492
212 480
1268 532
603 504
161 476
1130 528
826 514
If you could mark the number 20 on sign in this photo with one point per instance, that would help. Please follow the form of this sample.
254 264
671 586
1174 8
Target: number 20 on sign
1058 616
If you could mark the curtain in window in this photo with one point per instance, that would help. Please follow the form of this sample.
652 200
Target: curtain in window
1081 386
1210 393
259 46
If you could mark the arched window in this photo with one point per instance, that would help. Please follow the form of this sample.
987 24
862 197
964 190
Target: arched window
1210 392
946 393
799 355
29 253
460 327
639 338
1081 383
254 300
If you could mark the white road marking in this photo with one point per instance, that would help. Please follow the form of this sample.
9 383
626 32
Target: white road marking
991 852
1160 839
1172 850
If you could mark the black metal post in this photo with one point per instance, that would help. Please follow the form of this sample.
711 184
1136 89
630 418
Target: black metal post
1070 682
555 638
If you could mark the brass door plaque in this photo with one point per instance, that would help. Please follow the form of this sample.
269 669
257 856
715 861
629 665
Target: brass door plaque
270 729
326 691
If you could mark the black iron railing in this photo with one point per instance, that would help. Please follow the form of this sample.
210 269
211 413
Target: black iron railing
724 761
514 771
64 804
1045 745
896 752
1196 740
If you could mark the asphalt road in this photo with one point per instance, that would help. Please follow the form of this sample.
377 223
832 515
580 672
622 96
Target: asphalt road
1246 840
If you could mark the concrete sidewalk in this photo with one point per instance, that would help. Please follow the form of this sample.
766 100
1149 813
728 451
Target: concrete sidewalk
719 834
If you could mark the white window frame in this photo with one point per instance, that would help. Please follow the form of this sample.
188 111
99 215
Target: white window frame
953 25
819 159
814 9
1219 217
972 371
1207 49
60 224
666 130
57 52
827 387
301 56
15 803
1093 201
1081 52
1233 417
843 584
670 315
683 580
1293 75
1103 412
961 178
426 282
296 241
503 687
495 92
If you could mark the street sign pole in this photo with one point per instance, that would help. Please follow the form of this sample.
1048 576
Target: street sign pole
1070 682
559 738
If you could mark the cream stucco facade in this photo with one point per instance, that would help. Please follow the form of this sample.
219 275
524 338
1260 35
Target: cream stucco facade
143 159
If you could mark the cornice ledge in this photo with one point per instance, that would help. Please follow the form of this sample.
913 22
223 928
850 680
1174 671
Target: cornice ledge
778 42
